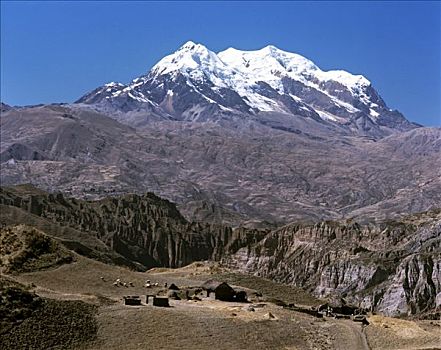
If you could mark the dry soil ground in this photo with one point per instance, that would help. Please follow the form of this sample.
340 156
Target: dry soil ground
211 324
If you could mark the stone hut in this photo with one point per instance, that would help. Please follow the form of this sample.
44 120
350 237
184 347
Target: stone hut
173 287
160 301
173 294
222 290
132 300
157 300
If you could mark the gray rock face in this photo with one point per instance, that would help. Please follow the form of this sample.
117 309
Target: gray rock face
4 107
415 285
391 267
146 229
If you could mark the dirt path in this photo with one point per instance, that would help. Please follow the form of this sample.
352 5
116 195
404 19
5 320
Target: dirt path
354 337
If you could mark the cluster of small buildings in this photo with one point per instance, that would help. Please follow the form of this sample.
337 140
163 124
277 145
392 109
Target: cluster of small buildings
222 291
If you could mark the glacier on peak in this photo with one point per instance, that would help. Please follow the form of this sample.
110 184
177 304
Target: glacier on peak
113 84
195 81
243 71
233 67
189 57
270 59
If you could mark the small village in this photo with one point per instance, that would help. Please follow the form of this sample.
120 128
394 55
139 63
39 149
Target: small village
220 291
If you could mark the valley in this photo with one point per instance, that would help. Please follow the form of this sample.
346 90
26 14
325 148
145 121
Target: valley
296 186
328 259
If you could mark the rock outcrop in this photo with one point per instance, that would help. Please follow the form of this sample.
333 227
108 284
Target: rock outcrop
391 267
145 229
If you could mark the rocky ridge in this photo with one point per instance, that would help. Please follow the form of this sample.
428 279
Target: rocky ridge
288 170
196 84
393 267
146 230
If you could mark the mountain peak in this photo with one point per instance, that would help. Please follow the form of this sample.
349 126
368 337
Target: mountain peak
191 46
271 48
194 80
268 58
188 57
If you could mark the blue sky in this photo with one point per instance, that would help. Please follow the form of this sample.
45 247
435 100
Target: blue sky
57 51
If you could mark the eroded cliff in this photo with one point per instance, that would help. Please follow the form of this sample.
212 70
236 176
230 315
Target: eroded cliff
391 267
145 229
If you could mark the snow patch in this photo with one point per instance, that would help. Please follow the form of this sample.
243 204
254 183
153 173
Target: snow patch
329 116
296 98
373 113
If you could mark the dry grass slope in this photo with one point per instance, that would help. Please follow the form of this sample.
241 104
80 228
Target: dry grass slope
25 249
34 323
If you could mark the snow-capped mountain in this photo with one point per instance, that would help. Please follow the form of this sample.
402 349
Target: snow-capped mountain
197 84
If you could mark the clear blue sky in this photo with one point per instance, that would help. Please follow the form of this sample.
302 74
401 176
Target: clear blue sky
57 51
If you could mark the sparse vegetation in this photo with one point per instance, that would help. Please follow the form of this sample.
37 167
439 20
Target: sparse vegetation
16 304
25 249
30 322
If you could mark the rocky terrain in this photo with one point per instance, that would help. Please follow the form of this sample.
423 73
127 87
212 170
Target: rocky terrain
24 249
144 231
392 267
219 174
31 322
